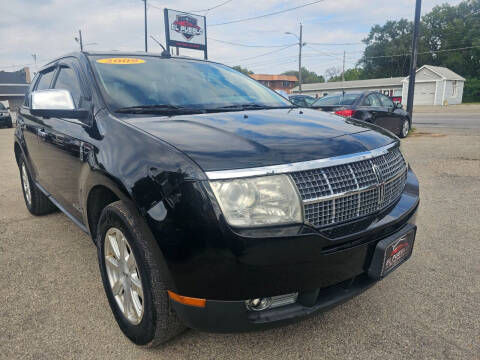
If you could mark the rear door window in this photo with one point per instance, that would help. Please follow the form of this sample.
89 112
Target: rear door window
340 99
371 100
45 80
26 99
386 101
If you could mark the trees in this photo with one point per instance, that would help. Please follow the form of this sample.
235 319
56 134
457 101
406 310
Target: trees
242 70
308 77
333 72
446 27
350 74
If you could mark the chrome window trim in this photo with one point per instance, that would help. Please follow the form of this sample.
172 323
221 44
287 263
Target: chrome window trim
299 166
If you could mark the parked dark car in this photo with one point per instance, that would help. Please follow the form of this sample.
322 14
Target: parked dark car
369 106
302 100
5 117
214 203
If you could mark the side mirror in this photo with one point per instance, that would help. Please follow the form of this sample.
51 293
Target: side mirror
55 103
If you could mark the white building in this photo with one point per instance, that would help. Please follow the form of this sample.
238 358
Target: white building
434 85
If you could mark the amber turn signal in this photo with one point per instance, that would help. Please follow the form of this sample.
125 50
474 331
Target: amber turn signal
185 300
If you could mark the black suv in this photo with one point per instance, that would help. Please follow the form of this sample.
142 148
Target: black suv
5 117
214 202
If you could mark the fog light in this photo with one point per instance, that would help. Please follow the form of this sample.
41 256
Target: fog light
258 304
271 302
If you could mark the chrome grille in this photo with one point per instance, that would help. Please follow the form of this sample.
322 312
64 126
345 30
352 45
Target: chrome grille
345 192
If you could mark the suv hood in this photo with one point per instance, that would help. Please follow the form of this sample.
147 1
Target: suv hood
245 139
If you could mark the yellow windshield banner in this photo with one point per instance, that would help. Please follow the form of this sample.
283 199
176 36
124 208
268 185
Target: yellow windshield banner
121 61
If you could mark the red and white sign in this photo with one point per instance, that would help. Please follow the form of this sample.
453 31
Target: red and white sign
185 30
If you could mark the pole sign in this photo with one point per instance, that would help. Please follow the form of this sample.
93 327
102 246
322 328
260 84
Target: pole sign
185 30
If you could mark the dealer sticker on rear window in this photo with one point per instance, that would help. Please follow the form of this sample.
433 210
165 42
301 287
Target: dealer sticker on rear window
121 61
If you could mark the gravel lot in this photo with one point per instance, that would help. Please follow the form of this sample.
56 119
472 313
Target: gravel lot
52 303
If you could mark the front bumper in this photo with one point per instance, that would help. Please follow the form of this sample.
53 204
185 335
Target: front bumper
5 121
227 267
234 316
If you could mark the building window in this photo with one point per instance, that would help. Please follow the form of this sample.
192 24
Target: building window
454 88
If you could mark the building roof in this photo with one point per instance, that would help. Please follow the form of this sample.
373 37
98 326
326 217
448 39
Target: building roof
443 72
267 77
14 77
396 81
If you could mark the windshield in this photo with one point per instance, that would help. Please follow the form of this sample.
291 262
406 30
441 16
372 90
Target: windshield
339 99
2 107
153 81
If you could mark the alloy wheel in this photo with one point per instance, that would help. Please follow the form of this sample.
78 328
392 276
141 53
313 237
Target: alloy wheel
123 275
26 185
405 128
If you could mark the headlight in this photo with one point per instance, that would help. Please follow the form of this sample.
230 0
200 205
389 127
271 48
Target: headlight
258 201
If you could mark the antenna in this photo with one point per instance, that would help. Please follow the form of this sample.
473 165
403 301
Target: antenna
165 53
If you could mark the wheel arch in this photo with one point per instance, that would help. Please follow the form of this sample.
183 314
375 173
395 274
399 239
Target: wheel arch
18 151
98 191
104 191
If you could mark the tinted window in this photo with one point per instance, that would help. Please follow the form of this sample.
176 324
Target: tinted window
179 82
298 101
340 99
372 100
67 80
2 107
45 80
386 101
310 100
26 99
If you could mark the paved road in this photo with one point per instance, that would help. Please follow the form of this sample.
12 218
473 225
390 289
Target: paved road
52 303
450 120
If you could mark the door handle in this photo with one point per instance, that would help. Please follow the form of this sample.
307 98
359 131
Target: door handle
42 133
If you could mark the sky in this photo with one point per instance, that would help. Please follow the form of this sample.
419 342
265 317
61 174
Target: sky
47 28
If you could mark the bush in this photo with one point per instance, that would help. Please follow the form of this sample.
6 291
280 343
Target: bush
471 90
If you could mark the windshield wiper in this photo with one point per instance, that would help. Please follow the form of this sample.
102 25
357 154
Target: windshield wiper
242 106
153 109
247 106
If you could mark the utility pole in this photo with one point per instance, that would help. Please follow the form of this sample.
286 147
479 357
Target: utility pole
300 44
145 9
34 56
413 58
343 68
80 39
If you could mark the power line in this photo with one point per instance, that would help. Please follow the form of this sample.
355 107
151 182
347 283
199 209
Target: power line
424 52
154 6
314 57
335 44
246 45
22 65
321 52
213 7
267 53
269 14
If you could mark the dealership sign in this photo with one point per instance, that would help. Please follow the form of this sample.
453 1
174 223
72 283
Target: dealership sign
185 30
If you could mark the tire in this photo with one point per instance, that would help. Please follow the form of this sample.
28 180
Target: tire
35 200
405 128
157 322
